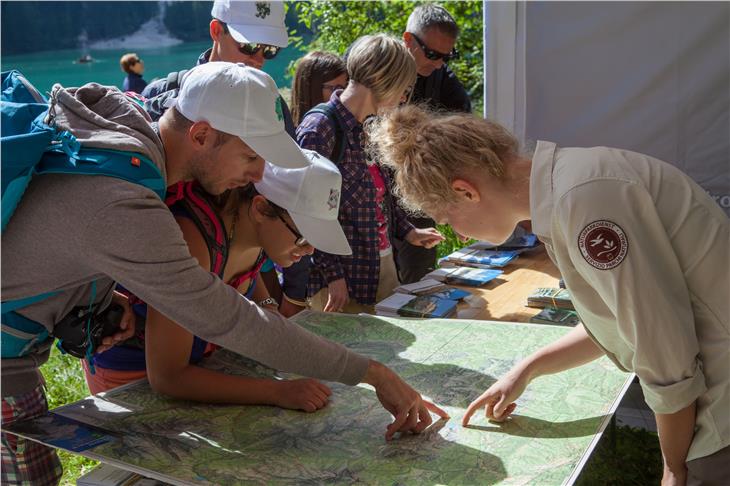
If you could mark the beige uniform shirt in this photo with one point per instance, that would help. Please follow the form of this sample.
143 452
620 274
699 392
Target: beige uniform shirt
645 253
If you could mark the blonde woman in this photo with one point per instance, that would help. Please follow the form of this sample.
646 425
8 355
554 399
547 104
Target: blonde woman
381 74
624 230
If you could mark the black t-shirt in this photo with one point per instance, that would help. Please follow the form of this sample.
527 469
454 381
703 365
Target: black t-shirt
442 90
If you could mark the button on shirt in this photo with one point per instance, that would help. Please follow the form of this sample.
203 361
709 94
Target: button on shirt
645 253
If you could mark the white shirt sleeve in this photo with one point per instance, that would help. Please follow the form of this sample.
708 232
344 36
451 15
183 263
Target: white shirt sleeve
643 286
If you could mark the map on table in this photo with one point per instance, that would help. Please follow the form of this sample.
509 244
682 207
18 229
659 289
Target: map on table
557 422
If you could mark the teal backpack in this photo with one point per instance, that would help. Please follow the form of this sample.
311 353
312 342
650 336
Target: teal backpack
30 146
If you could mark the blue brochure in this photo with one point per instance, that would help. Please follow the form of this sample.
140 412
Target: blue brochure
58 431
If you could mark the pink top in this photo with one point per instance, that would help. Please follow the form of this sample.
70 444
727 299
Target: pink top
384 242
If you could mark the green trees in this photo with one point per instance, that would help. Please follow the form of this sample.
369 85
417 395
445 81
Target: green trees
39 26
334 25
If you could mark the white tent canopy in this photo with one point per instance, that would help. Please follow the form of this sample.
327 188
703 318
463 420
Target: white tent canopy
653 77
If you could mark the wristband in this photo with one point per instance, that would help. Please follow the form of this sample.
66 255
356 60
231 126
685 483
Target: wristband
270 301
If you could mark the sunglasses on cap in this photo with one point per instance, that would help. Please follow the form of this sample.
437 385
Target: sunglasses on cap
435 55
270 52
300 240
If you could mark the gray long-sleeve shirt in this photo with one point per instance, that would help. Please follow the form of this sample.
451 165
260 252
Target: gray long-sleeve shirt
69 230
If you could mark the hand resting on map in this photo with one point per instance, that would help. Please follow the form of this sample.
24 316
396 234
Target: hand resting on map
410 410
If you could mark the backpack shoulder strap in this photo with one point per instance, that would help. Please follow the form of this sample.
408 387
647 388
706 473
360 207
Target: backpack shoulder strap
199 208
174 79
338 152
67 156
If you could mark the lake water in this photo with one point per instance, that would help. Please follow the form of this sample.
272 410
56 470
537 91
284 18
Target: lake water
43 69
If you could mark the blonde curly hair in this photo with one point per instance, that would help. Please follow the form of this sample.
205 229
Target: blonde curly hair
427 150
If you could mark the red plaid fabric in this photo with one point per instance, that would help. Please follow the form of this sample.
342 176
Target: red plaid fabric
25 462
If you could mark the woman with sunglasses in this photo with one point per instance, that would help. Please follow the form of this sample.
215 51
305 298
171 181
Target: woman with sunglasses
318 75
642 248
284 215
381 73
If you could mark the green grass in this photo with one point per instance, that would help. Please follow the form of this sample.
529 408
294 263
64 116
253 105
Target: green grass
632 458
451 243
65 384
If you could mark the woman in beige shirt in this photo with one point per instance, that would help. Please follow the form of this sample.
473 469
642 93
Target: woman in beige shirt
642 248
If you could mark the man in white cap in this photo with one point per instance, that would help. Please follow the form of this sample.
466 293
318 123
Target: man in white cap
241 31
78 235
250 33
235 100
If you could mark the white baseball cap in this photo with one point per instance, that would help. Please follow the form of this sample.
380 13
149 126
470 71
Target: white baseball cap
242 101
253 22
311 195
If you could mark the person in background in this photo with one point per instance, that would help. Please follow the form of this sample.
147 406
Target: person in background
134 67
624 230
318 75
250 33
382 73
430 35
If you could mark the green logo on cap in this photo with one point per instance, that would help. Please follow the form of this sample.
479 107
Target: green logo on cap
279 110
263 9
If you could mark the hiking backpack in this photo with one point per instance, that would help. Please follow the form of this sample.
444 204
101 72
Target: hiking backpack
31 145
338 151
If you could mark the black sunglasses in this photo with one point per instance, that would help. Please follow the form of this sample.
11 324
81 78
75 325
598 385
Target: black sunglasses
435 55
270 52
250 49
300 240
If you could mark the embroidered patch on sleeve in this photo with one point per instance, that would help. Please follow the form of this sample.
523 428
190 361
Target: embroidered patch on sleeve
603 244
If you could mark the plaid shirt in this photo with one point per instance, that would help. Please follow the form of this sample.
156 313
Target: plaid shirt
357 207
23 460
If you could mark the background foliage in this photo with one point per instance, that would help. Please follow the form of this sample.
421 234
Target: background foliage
333 25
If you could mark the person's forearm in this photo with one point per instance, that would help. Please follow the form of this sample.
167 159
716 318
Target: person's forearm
161 271
202 385
374 373
574 349
675 436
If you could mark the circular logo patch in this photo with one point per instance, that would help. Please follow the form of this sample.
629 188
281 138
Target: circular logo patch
603 244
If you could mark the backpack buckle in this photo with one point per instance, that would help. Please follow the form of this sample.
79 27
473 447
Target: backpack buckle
69 145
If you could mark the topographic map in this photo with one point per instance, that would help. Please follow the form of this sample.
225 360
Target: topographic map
556 424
